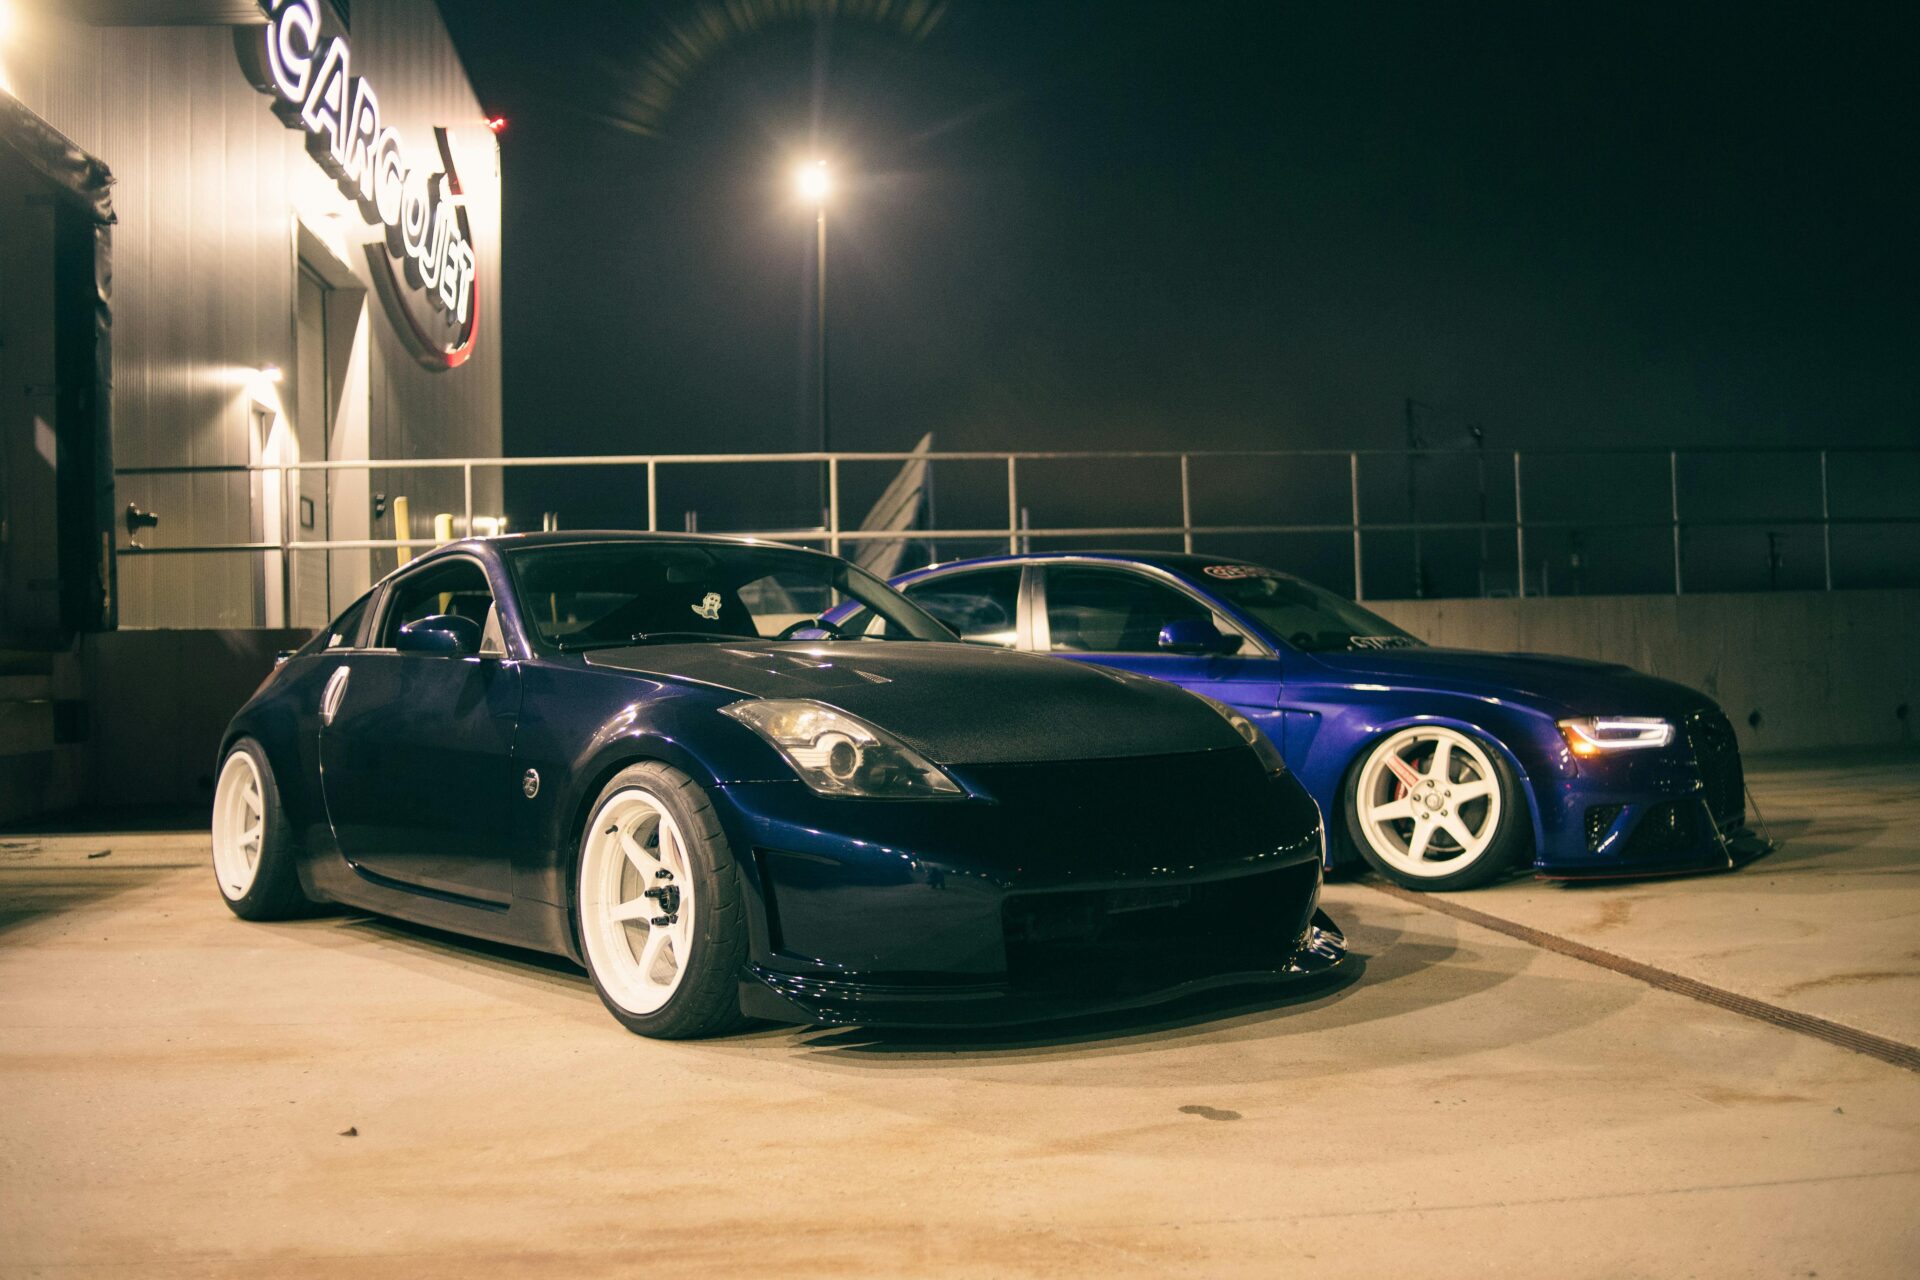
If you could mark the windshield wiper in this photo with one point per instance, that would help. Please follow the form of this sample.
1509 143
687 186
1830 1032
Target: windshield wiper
647 637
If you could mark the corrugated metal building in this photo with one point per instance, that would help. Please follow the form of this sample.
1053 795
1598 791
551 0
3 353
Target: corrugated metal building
230 234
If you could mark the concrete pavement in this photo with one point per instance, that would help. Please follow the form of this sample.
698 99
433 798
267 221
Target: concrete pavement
178 1085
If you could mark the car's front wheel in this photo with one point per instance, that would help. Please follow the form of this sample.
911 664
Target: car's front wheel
1433 808
659 906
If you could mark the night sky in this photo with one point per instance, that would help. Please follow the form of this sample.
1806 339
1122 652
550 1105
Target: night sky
1087 225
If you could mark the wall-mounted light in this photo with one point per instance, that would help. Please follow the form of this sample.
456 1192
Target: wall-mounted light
137 522
270 373
7 26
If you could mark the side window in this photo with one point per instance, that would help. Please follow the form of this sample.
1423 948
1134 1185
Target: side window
981 606
1113 610
457 586
344 631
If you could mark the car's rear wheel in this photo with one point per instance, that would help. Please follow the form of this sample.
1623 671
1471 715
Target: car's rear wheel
253 850
659 907
1433 808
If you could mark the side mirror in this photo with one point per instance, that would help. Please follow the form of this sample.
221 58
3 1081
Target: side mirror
1196 635
442 633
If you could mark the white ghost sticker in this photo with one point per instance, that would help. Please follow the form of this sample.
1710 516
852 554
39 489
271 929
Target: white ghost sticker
708 608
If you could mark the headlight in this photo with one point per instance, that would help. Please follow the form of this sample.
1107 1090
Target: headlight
1599 735
839 755
1270 757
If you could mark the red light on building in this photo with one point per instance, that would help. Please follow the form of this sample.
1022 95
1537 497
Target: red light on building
497 123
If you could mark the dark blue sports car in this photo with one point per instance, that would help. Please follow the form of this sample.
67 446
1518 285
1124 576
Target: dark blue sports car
651 754
1442 768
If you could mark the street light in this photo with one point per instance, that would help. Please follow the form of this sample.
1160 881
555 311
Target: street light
814 182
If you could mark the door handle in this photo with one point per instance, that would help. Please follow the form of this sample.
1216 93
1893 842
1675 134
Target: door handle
336 690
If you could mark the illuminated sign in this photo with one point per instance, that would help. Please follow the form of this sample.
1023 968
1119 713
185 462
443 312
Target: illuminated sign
420 211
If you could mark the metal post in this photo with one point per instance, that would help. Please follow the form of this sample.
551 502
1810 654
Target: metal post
653 496
820 325
1013 506
1413 499
1673 511
1186 507
820 322
287 480
1519 532
1353 485
833 504
466 484
1826 529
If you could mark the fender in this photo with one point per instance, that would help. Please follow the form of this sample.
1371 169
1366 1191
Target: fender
630 730
1348 731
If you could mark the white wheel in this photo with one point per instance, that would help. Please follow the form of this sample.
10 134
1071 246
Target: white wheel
637 901
1426 805
239 825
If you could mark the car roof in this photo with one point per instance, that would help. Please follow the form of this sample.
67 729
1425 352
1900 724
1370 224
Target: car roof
493 546
1180 563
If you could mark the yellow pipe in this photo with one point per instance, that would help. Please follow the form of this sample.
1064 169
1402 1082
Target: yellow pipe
402 529
443 534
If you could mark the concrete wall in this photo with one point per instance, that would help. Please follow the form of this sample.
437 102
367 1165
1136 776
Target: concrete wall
1793 670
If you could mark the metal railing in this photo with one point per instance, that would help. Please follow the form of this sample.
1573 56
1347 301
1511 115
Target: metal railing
1017 534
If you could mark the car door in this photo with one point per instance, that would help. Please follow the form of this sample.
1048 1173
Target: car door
416 749
1112 615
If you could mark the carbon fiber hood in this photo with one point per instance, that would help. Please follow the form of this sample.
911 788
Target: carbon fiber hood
956 703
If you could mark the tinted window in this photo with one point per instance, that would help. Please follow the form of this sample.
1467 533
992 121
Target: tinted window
981 606
1114 611
344 631
614 593
455 586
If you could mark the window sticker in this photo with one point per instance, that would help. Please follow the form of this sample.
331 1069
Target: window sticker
1385 642
1241 571
708 608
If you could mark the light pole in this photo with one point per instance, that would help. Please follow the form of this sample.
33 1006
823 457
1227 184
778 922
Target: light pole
815 184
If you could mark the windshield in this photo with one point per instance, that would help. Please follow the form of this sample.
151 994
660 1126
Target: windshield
592 595
1303 615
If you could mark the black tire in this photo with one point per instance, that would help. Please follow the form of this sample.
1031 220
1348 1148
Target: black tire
274 892
707 1000
1512 837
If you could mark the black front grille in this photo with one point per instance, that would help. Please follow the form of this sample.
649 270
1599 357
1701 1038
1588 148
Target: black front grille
1113 941
1716 752
1670 827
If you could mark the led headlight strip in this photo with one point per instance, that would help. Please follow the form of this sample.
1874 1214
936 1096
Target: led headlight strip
1599 735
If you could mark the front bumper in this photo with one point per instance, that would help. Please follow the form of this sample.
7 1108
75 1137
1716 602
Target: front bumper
1053 889
1320 954
1676 811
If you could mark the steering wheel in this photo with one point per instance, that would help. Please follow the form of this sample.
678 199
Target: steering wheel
809 624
